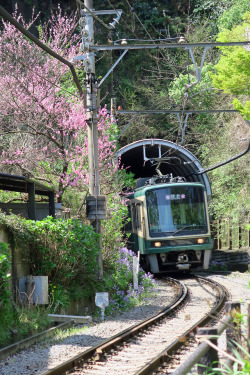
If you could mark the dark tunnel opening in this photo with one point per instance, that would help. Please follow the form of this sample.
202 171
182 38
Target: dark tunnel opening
179 161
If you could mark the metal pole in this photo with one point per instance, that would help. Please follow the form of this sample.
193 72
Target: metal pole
91 103
211 357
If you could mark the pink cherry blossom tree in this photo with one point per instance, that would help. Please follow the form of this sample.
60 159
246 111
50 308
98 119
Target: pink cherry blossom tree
43 129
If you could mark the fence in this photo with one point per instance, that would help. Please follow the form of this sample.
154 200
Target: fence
230 236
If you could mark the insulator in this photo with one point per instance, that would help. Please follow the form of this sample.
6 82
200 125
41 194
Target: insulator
85 32
82 47
82 21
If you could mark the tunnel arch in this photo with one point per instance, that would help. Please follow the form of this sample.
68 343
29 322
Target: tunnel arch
135 157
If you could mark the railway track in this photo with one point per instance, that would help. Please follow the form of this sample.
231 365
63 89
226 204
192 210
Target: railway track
147 347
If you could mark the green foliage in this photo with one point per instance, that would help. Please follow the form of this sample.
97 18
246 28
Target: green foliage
5 266
119 282
244 109
233 67
208 12
9 196
59 297
64 250
188 93
21 322
233 73
178 87
217 266
233 15
229 182
112 227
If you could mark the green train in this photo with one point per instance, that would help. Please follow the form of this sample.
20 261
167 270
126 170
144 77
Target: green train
170 224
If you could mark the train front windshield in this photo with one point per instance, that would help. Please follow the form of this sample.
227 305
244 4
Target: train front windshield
176 211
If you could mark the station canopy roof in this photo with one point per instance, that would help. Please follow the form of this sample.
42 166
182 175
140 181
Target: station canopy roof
20 184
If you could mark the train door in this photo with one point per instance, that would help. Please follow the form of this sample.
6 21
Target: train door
137 226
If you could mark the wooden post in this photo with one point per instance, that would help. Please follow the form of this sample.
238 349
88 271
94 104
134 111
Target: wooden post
52 211
211 357
31 201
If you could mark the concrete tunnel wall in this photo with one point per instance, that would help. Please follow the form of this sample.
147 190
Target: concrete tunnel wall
134 157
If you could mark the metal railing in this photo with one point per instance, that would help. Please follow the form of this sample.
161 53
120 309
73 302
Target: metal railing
206 353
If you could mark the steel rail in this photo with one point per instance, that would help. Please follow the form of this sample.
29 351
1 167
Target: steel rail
126 334
167 353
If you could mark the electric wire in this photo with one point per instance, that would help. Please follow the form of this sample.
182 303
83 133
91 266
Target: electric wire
163 56
140 21
125 25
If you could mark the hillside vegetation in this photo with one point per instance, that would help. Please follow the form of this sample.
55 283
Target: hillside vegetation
43 130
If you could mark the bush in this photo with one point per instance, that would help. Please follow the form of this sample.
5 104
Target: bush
64 250
5 266
120 282
217 266
20 322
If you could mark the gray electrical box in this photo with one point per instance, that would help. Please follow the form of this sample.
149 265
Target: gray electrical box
96 207
36 287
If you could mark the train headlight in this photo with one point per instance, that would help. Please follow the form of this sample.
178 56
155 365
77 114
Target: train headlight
157 244
200 241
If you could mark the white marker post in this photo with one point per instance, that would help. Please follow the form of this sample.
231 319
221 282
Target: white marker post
136 262
102 301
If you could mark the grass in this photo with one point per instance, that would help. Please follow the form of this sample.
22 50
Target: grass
19 322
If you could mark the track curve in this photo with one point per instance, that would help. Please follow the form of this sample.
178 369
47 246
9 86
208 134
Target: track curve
137 350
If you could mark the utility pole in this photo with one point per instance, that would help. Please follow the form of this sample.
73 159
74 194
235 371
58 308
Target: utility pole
95 204
91 107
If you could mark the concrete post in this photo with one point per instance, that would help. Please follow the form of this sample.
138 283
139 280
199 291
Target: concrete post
91 104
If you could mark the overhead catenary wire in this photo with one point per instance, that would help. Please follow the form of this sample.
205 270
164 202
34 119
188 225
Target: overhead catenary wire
125 24
161 53
224 162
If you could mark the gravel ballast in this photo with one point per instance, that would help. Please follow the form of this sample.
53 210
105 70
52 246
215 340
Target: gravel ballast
41 357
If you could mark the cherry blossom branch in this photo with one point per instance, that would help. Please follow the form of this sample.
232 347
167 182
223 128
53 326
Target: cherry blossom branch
14 22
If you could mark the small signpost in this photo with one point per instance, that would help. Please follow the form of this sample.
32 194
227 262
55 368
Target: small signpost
136 263
102 301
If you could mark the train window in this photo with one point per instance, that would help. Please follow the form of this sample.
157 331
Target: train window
136 216
176 210
128 221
